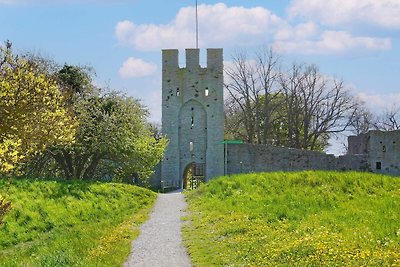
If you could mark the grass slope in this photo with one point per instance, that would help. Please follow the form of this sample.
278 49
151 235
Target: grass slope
71 223
295 219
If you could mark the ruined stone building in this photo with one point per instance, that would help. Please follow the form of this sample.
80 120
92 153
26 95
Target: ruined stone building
193 121
381 149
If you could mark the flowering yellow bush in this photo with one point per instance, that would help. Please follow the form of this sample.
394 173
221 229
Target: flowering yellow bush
32 111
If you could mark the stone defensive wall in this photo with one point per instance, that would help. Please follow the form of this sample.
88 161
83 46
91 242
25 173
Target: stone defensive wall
246 158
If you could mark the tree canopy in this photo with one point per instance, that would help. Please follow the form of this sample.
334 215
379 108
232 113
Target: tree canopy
33 114
113 139
59 124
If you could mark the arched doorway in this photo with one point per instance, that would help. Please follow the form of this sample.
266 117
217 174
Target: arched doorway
193 175
187 175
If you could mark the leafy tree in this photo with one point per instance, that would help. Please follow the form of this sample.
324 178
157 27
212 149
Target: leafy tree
32 111
75 82
113 140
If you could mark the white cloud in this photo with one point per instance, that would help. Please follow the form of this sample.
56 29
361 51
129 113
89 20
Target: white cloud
135 67
300 31
218 25
382 13
328 42
379 102
223 26
123 30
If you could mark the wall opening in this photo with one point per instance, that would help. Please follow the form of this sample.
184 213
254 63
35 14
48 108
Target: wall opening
379 165
187 175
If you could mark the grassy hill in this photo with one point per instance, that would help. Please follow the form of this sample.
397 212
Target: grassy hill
71 223
296 219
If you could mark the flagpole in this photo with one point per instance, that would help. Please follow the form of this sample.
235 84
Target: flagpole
197 28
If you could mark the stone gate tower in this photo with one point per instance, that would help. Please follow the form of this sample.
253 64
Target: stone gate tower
192 115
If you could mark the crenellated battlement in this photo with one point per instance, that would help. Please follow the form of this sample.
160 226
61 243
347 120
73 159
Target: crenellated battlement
170 58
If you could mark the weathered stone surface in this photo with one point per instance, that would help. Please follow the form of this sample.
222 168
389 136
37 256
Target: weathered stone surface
381 148
245 158
192 114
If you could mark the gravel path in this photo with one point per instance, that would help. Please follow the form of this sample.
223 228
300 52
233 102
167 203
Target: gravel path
160 239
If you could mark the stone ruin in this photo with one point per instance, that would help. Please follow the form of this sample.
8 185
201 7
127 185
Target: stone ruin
380 148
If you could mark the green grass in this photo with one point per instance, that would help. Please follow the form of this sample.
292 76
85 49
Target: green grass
55 223
295 219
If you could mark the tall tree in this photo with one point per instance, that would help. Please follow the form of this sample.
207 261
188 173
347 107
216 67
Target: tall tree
253 96
317 106
298 108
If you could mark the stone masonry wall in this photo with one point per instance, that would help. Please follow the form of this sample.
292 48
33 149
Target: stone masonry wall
192 114
245 158
357 144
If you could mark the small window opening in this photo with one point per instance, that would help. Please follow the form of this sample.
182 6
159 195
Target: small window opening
177 92
191 146
378 165
206 92
384 148
192 121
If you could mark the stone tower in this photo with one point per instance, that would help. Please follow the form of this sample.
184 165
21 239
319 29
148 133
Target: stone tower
192 115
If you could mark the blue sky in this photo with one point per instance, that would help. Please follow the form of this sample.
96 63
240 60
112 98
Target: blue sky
355 40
